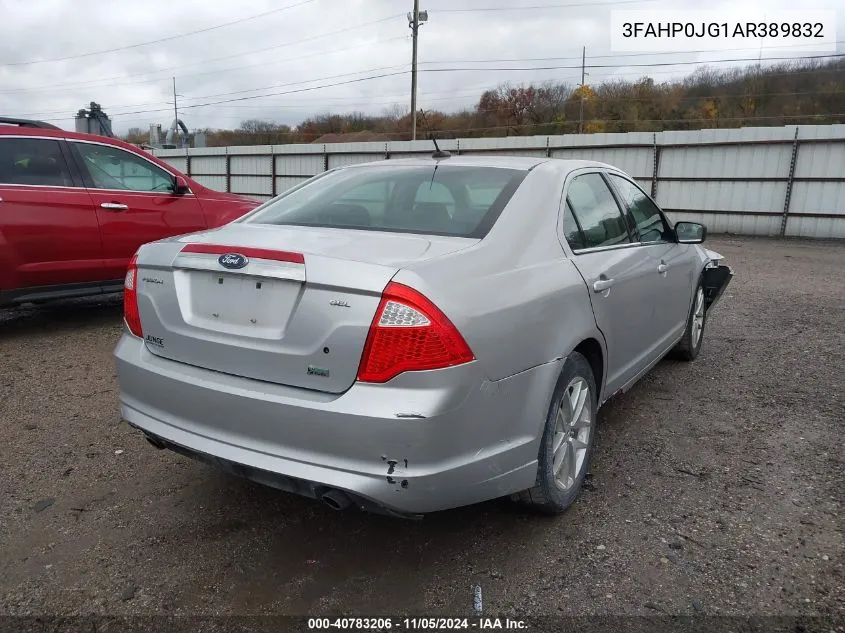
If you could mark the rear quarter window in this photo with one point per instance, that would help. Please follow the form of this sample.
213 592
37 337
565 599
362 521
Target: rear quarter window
33 161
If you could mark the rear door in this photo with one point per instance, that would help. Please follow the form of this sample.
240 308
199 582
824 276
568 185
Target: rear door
47 219
134 202
617 271
673 265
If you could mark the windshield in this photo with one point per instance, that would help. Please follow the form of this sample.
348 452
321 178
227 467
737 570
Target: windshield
438 199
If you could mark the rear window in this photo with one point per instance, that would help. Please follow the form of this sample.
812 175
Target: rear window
443 200
33 161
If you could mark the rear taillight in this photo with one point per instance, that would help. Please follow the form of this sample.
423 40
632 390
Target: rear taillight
130 299
409 333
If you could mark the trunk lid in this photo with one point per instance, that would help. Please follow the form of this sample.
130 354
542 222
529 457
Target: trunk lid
296 312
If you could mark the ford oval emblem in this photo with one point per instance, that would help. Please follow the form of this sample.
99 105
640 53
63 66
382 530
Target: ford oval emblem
232 261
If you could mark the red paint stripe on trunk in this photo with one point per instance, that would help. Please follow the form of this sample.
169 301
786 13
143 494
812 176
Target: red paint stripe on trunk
246 251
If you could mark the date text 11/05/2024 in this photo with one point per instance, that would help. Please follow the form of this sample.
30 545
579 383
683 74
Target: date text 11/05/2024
771 30
420 624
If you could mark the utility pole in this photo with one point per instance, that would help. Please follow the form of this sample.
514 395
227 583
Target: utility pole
583 68
415 20
415 27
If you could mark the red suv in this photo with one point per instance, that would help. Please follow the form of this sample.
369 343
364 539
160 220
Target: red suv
75 207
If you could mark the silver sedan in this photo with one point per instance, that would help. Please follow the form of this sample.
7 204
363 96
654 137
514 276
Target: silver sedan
413 335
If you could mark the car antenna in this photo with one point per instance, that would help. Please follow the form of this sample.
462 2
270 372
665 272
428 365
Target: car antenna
438 153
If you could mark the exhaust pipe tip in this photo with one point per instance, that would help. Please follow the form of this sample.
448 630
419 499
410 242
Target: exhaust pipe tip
336 500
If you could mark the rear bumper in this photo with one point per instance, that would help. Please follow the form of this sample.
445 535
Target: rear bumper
423 442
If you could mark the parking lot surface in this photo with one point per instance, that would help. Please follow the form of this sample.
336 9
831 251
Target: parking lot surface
716 487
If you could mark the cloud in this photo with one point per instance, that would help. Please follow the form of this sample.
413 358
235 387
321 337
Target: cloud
300 52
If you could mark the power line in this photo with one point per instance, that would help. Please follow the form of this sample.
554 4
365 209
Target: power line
613 56
297 57
295 42
238 99
441 70
110 80
646 65
378 76
500 69
345 101
94 83
227 57
299 83
276 94
385 100
224 94
390 99
160 40
381 100
285 8
480 87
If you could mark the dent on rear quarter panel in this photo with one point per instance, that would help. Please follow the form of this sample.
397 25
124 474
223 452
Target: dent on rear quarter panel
515 297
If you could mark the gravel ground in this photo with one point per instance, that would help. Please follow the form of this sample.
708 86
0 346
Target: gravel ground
716 488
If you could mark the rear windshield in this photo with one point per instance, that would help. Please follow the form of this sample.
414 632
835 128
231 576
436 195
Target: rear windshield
436 200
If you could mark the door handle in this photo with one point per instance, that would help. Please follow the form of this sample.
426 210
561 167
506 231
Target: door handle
114 206
662 268
600 285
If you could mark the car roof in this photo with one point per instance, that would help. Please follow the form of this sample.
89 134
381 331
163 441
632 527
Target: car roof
15 130
20 130
464 160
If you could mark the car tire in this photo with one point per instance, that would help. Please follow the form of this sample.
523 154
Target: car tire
569 429
690 344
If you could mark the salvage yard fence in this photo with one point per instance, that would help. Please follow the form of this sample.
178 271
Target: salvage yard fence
776 181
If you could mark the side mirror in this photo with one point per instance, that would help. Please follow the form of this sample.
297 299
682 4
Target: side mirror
690 232
180 186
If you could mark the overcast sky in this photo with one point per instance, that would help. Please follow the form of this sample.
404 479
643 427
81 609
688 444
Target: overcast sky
311 45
